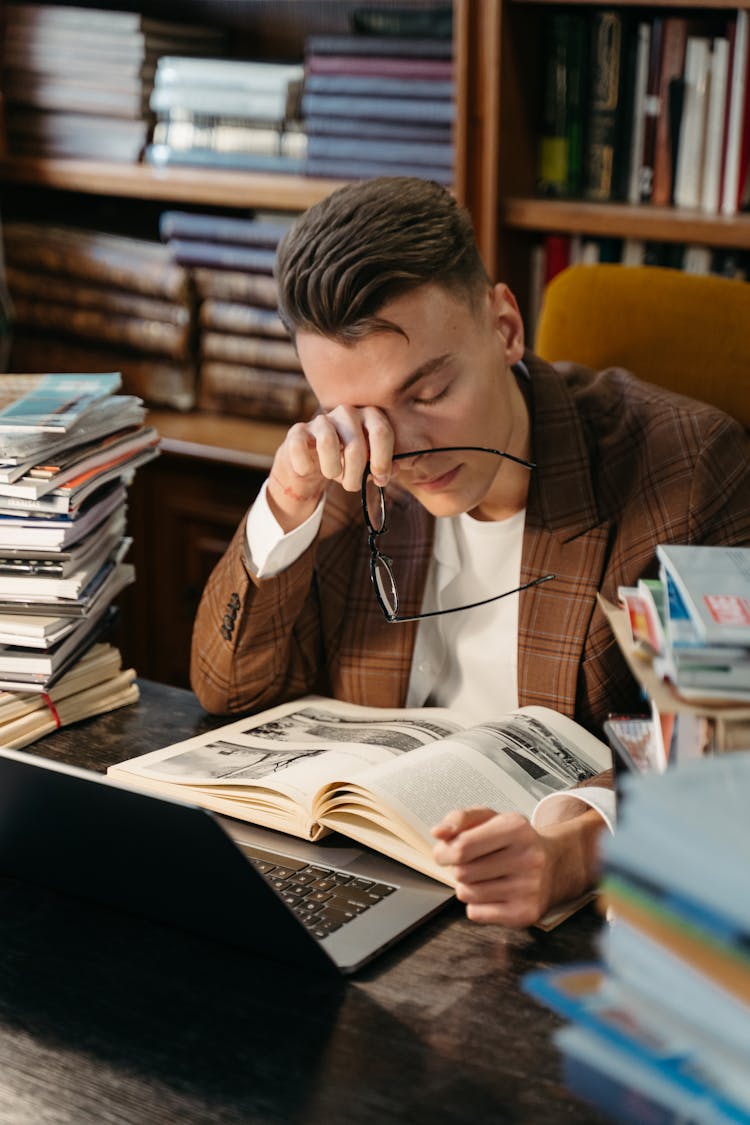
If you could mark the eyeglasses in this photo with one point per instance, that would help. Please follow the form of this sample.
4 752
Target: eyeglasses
375 511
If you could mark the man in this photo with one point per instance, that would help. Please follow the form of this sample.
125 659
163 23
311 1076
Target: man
409 348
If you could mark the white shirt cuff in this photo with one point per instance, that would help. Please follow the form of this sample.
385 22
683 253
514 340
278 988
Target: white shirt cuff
269 549
556 807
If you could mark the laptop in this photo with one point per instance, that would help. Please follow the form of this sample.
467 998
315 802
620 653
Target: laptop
331 906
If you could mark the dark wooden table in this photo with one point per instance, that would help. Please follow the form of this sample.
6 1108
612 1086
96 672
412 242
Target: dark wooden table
109 1019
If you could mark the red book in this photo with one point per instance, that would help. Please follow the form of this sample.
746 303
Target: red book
556 255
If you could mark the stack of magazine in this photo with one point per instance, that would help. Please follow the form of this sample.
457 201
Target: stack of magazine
660 1029
686 636
68 448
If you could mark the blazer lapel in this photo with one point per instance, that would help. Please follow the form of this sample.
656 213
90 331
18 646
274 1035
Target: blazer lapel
563 536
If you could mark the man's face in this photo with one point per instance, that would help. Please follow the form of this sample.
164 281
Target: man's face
445 381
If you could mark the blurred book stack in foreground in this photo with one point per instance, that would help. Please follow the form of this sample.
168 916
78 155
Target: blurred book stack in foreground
686 637
88 301
228 113
380 102
660 1030
248 364
69 446
77 81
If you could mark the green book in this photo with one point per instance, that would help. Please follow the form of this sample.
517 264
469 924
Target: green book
561 126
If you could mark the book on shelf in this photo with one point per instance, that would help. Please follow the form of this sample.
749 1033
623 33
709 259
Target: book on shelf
715 116
261 233
438 111
316 125
244 320
737 93
383 66
381 777
612 63
144 334
688 183
253 351
433 22
674 43
378 86
560 160
70 95
235 285
265 106
330 167
135 264
255 392
97 21
165 155
186 71
80 135
368 46
652 107
367 150
218 134
639 173
221 255
96 683
31 284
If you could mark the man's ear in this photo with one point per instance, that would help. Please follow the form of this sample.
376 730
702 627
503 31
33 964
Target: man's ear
508 321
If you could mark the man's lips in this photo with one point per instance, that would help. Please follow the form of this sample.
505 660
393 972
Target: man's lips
437 483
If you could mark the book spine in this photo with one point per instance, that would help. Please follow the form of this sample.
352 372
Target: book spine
667 136
143 335
384 67
235 285
222 255
716 113
317 125
244 320
379 109
389 152
220 228
345 85
637 138
372 45
125 264
25 283
732 171
652 109
163 155
330 167
691 148
254 392
605 103
253 351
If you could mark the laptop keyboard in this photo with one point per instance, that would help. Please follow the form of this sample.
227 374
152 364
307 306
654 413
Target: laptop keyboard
324 898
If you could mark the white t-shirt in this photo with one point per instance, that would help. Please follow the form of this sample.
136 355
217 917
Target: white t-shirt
434 675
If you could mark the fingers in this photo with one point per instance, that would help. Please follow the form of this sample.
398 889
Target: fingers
459 820
337 446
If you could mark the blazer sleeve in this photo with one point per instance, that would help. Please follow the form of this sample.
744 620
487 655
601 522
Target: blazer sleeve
255 641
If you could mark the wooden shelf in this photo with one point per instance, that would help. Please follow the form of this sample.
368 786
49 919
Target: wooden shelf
713 4
620 220
218 438
217 187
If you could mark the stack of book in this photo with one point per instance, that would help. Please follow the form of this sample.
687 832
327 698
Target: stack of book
379 105
647 109
77 81
247 362
686 636
69 446
87 301
660 1029
227 113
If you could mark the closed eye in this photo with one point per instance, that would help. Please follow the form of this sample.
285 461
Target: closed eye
430 400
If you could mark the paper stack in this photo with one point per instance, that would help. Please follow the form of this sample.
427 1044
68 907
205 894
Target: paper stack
68 448
660 1029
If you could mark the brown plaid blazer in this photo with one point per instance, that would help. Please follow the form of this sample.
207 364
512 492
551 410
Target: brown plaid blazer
621 465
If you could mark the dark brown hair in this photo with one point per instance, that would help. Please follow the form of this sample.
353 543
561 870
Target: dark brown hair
366 244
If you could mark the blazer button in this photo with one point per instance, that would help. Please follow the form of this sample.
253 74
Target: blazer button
235 600
229 623
226 633
231 611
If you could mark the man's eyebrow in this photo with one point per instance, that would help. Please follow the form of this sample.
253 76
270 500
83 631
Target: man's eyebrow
426 368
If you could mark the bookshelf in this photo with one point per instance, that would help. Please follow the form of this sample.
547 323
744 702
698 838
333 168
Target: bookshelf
508 176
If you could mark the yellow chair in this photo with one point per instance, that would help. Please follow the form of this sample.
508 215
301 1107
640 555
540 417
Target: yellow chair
687 332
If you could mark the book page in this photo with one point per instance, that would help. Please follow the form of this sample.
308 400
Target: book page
507 765
286 754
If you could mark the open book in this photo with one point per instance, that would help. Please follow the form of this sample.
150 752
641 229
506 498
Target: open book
381 777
